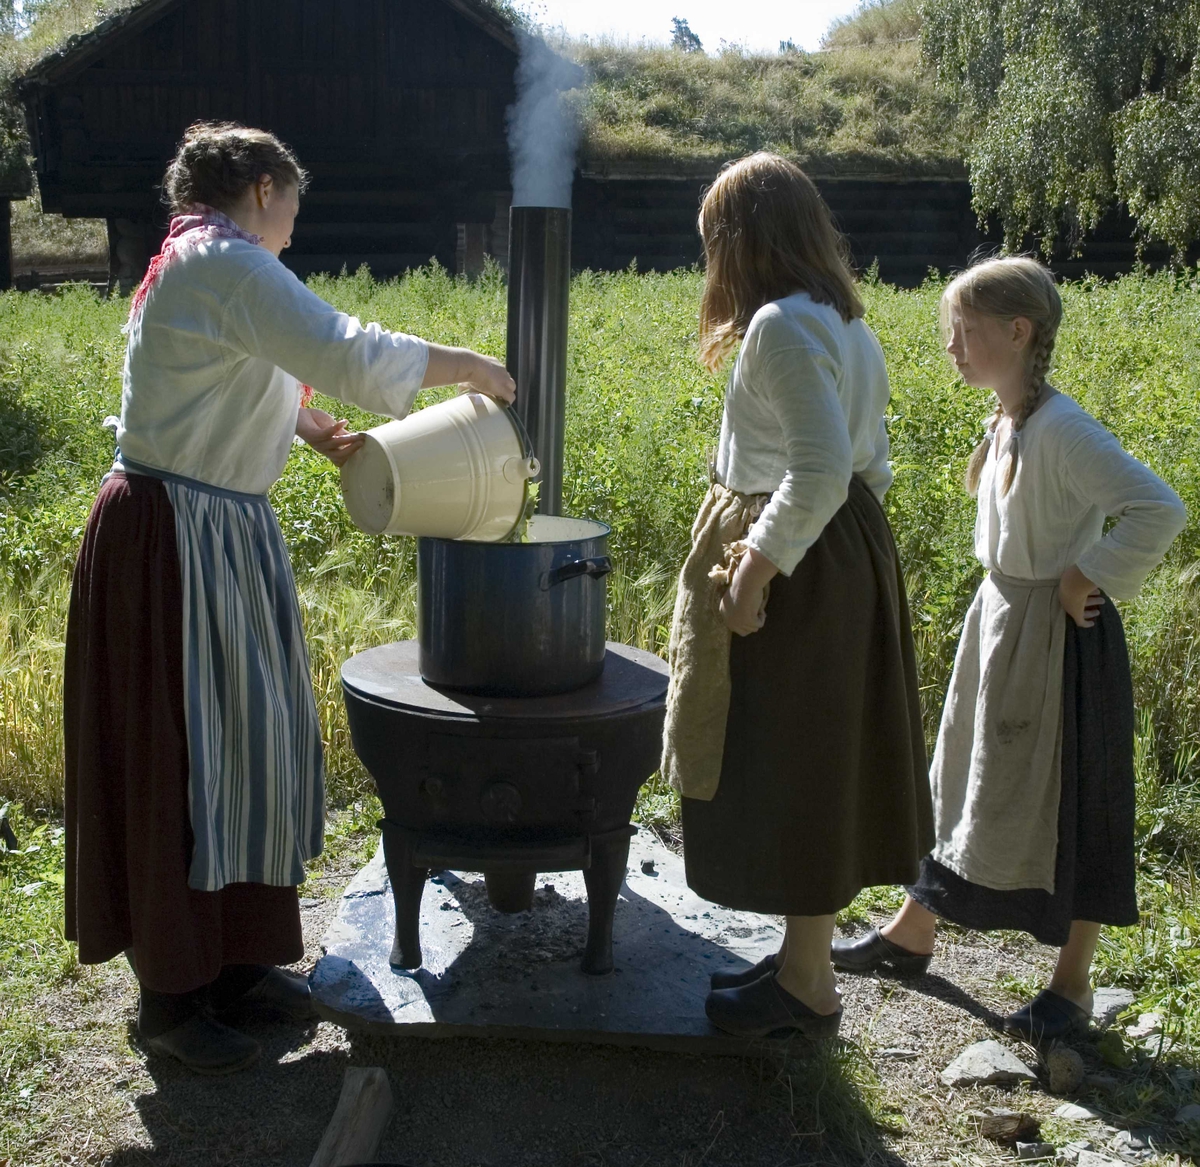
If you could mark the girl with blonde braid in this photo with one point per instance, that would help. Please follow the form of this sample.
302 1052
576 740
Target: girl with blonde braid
1032 776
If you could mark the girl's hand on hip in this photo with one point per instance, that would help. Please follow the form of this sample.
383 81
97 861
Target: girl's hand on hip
328 436
744 605
1080 598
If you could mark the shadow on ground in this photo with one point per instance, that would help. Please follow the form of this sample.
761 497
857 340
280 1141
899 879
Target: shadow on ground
480 1103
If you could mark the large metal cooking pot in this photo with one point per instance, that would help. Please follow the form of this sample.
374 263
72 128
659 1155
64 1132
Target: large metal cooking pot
514 619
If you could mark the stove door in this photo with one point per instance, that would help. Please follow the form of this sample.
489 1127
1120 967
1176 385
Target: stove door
508 783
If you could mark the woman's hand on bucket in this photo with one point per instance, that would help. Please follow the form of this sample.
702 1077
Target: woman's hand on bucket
744 605
472 372
1080 597
328 435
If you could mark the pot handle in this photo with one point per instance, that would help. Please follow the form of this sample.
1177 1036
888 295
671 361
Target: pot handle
596 568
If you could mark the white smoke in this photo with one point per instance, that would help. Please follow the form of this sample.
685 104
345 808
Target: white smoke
542 131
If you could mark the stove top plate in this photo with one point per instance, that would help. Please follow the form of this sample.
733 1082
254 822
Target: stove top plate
390 675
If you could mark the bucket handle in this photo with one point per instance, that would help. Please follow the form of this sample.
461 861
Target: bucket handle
596 568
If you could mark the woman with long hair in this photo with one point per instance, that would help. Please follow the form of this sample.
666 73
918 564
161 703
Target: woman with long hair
794 729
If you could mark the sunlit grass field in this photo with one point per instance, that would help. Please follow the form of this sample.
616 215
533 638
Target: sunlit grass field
642 418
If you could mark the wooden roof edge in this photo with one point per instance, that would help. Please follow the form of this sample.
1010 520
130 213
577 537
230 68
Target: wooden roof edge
487 18
79 50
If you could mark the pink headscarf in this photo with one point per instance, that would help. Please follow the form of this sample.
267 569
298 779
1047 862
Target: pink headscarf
201 224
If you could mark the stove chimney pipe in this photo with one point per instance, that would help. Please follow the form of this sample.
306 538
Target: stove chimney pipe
539 276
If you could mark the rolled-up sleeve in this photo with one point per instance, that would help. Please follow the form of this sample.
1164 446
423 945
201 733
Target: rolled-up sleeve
1149 514
800 387
272 315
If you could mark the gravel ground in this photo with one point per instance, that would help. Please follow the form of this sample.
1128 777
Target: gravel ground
467 1103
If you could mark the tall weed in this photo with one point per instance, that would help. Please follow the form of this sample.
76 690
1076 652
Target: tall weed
643 416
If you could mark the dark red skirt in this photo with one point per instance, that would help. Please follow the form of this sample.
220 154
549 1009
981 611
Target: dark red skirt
129 839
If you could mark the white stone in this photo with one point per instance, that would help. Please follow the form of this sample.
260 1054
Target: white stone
372 880
1076 1113
1108 1003
1147 1025
1189 1113
1091 1159
986 1063
511 976
1035 1150
1133 1140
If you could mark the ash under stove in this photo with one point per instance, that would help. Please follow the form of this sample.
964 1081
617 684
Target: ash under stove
510 787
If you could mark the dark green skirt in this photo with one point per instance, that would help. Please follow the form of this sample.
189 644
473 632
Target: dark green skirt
824 784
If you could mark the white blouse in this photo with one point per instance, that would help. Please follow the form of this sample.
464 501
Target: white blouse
214 360
1071 474
804 411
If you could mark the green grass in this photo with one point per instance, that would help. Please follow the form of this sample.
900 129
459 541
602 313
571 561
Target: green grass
860 109
41 241
642 417
34 957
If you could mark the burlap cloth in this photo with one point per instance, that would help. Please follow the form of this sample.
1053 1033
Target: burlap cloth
698 695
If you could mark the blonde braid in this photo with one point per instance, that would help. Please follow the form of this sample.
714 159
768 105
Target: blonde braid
980 453
1039 365
1006 288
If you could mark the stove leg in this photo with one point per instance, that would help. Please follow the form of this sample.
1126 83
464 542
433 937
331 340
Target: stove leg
603 880
510 891
408 886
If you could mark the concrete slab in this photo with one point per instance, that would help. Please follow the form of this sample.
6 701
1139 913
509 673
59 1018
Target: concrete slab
488 974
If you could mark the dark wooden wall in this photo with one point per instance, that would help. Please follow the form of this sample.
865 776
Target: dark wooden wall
396 107
907 226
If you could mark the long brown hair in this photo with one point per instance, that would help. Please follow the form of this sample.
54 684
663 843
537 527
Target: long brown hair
767 234
1004 289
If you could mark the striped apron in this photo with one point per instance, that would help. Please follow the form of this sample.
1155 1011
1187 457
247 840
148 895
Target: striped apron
256 772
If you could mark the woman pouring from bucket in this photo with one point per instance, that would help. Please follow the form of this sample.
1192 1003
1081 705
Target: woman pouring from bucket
194 780
1032 776
796 742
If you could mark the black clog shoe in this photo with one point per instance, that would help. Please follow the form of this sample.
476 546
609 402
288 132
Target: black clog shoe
727 979
1047 1017
875 951
765 1009
206 1046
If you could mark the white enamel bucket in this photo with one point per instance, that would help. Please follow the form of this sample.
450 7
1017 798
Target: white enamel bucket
456 470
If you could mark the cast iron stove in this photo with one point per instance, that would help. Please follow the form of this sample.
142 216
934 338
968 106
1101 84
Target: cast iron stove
507 786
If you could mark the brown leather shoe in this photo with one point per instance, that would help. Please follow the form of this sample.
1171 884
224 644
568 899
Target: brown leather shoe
206 1046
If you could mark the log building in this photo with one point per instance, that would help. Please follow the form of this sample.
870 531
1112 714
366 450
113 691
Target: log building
397 108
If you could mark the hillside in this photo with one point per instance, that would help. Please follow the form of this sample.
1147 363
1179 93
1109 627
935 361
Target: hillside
859 109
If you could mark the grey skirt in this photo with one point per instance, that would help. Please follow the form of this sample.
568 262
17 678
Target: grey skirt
1094 868
824 785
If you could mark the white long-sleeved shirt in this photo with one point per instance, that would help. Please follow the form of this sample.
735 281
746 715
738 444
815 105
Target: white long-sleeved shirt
804 411
214 360
1072 474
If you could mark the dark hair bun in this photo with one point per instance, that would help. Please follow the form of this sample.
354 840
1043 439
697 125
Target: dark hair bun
217 162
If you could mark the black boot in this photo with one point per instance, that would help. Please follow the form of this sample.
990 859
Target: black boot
874 951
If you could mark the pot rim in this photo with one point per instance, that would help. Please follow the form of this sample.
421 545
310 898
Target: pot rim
603 532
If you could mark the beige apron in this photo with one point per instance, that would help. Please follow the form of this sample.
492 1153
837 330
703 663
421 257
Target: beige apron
997 768
698 695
